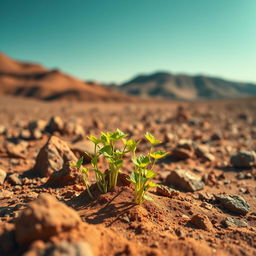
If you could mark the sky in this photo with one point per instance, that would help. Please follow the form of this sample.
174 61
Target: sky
114 40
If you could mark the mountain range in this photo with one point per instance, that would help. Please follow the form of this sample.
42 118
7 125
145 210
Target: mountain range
169 86
33 80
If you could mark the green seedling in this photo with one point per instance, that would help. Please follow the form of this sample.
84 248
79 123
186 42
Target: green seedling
144 171
107 146
84 171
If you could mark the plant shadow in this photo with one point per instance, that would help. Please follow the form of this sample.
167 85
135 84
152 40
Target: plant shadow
112 205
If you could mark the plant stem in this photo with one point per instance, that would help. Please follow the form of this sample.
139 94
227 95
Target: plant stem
88 191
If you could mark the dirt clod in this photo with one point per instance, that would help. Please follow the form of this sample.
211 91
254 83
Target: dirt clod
43 218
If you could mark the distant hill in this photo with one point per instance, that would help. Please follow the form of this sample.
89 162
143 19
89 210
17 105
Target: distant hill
170 86
32 80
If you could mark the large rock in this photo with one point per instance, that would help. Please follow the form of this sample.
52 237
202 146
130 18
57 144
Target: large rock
235 204
185 180
243 159
52 157
43 218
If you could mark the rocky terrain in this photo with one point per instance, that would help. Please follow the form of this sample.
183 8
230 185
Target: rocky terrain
169 86
204 206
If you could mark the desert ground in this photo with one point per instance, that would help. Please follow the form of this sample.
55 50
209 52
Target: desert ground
205 205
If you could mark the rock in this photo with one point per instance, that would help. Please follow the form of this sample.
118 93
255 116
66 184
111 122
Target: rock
64 248
202 221
36 134
206 197
96 123
14 179
25 134
5 194
16 150
14 161
38 125
243 176
30 196
2 130
166 191
203 152
68 175
2 176
185 180
73 128
244 159
182 114
68 194
233 222
206 205
181 153
52 157
55 124
186 144
216 136
43 218
235 204
170 137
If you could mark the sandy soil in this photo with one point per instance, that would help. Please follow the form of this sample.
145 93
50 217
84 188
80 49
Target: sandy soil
164 226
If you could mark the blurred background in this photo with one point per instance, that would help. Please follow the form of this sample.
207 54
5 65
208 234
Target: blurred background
166 49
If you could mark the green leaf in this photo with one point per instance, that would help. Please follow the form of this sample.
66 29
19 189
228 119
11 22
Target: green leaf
158 154
106 151
151 138
94 139
119 152
133 178
118 163
118 134
104 138
79 163
146 197
141 161
152 184
84 170
150 174
94 161
131 145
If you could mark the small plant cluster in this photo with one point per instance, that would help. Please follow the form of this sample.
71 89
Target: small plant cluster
112 147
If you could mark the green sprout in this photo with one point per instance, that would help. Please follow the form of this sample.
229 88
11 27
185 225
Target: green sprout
142 174
84 171
107 147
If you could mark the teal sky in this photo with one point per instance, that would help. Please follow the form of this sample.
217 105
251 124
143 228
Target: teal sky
114 40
